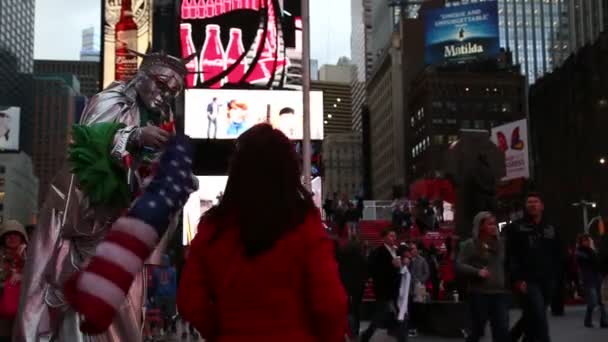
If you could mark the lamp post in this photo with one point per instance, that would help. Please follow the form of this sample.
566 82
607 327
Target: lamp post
585 205
306 168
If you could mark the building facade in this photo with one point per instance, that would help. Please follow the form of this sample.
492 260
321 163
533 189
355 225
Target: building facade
342 158
446 101
18 189
339 73
53 116
568 116
17 33
87 72
337 106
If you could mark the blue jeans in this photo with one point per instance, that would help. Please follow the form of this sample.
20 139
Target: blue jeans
534 316
489 307
593 297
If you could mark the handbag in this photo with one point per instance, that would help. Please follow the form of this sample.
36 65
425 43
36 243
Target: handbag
9 301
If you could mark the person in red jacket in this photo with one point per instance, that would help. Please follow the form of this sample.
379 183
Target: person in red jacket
262 268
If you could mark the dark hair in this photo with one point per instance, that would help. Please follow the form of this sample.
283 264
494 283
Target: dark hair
287 110
264 194
582 237
535 195
387 231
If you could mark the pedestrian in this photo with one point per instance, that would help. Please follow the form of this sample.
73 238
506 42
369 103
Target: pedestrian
12 259
352 220
165 285
419 269
352 263
532 246
481 263
262 267
384 268
404 294
591 277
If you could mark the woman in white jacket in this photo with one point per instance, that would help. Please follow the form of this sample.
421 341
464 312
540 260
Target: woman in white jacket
404 294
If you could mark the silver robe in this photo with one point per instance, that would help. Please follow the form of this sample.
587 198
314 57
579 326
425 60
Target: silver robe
68 232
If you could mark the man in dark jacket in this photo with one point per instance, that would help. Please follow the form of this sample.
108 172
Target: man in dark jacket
352 263
532 246
384 268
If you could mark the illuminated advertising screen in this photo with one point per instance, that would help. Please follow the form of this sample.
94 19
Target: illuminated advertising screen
9 128
225 114
512 140
459 34
127 25
239 43
209 193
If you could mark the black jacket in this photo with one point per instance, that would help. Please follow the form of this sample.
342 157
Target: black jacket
352 263
533 252
386 277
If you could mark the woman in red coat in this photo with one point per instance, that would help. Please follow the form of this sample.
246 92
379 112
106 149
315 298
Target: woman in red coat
262 268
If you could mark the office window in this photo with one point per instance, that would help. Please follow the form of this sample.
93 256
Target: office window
479 124
438 139
465 124
452 138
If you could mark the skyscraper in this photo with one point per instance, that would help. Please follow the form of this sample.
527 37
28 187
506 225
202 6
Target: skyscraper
17 33
543 33
90 46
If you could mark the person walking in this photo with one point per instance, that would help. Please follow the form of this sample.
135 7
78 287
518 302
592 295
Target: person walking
165 287
419 269
352 262
591 277
384 268
13 239
481 263
262 268
532 246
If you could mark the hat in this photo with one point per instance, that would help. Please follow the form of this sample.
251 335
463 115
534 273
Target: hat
11 226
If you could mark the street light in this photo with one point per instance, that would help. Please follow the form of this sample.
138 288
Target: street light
602 161
585 204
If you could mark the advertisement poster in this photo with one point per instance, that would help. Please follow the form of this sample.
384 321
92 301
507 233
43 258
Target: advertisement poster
459 34
239 43
512 139
211 189
129 21
226 114
9 128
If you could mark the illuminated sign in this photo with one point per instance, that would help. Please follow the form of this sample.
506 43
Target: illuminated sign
239 43
126 26
9 128
461 33
225 114
512 140
208 194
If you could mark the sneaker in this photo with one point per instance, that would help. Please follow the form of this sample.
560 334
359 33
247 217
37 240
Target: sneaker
413 333
589 325
184 336
604 325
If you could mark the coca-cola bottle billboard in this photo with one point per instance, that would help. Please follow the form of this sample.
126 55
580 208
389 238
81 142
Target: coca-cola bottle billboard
213 58
126 39
235 51
238 41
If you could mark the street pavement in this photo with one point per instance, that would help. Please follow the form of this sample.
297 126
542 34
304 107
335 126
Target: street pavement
568 328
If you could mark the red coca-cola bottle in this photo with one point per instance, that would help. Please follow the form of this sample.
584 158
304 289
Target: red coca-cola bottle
235 50
185 35
259 74
213 58
126 38
185 9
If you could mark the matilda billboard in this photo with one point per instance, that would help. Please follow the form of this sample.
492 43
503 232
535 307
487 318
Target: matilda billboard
461 33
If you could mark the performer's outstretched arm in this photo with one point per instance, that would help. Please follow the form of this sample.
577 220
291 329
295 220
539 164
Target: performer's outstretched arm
100 289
